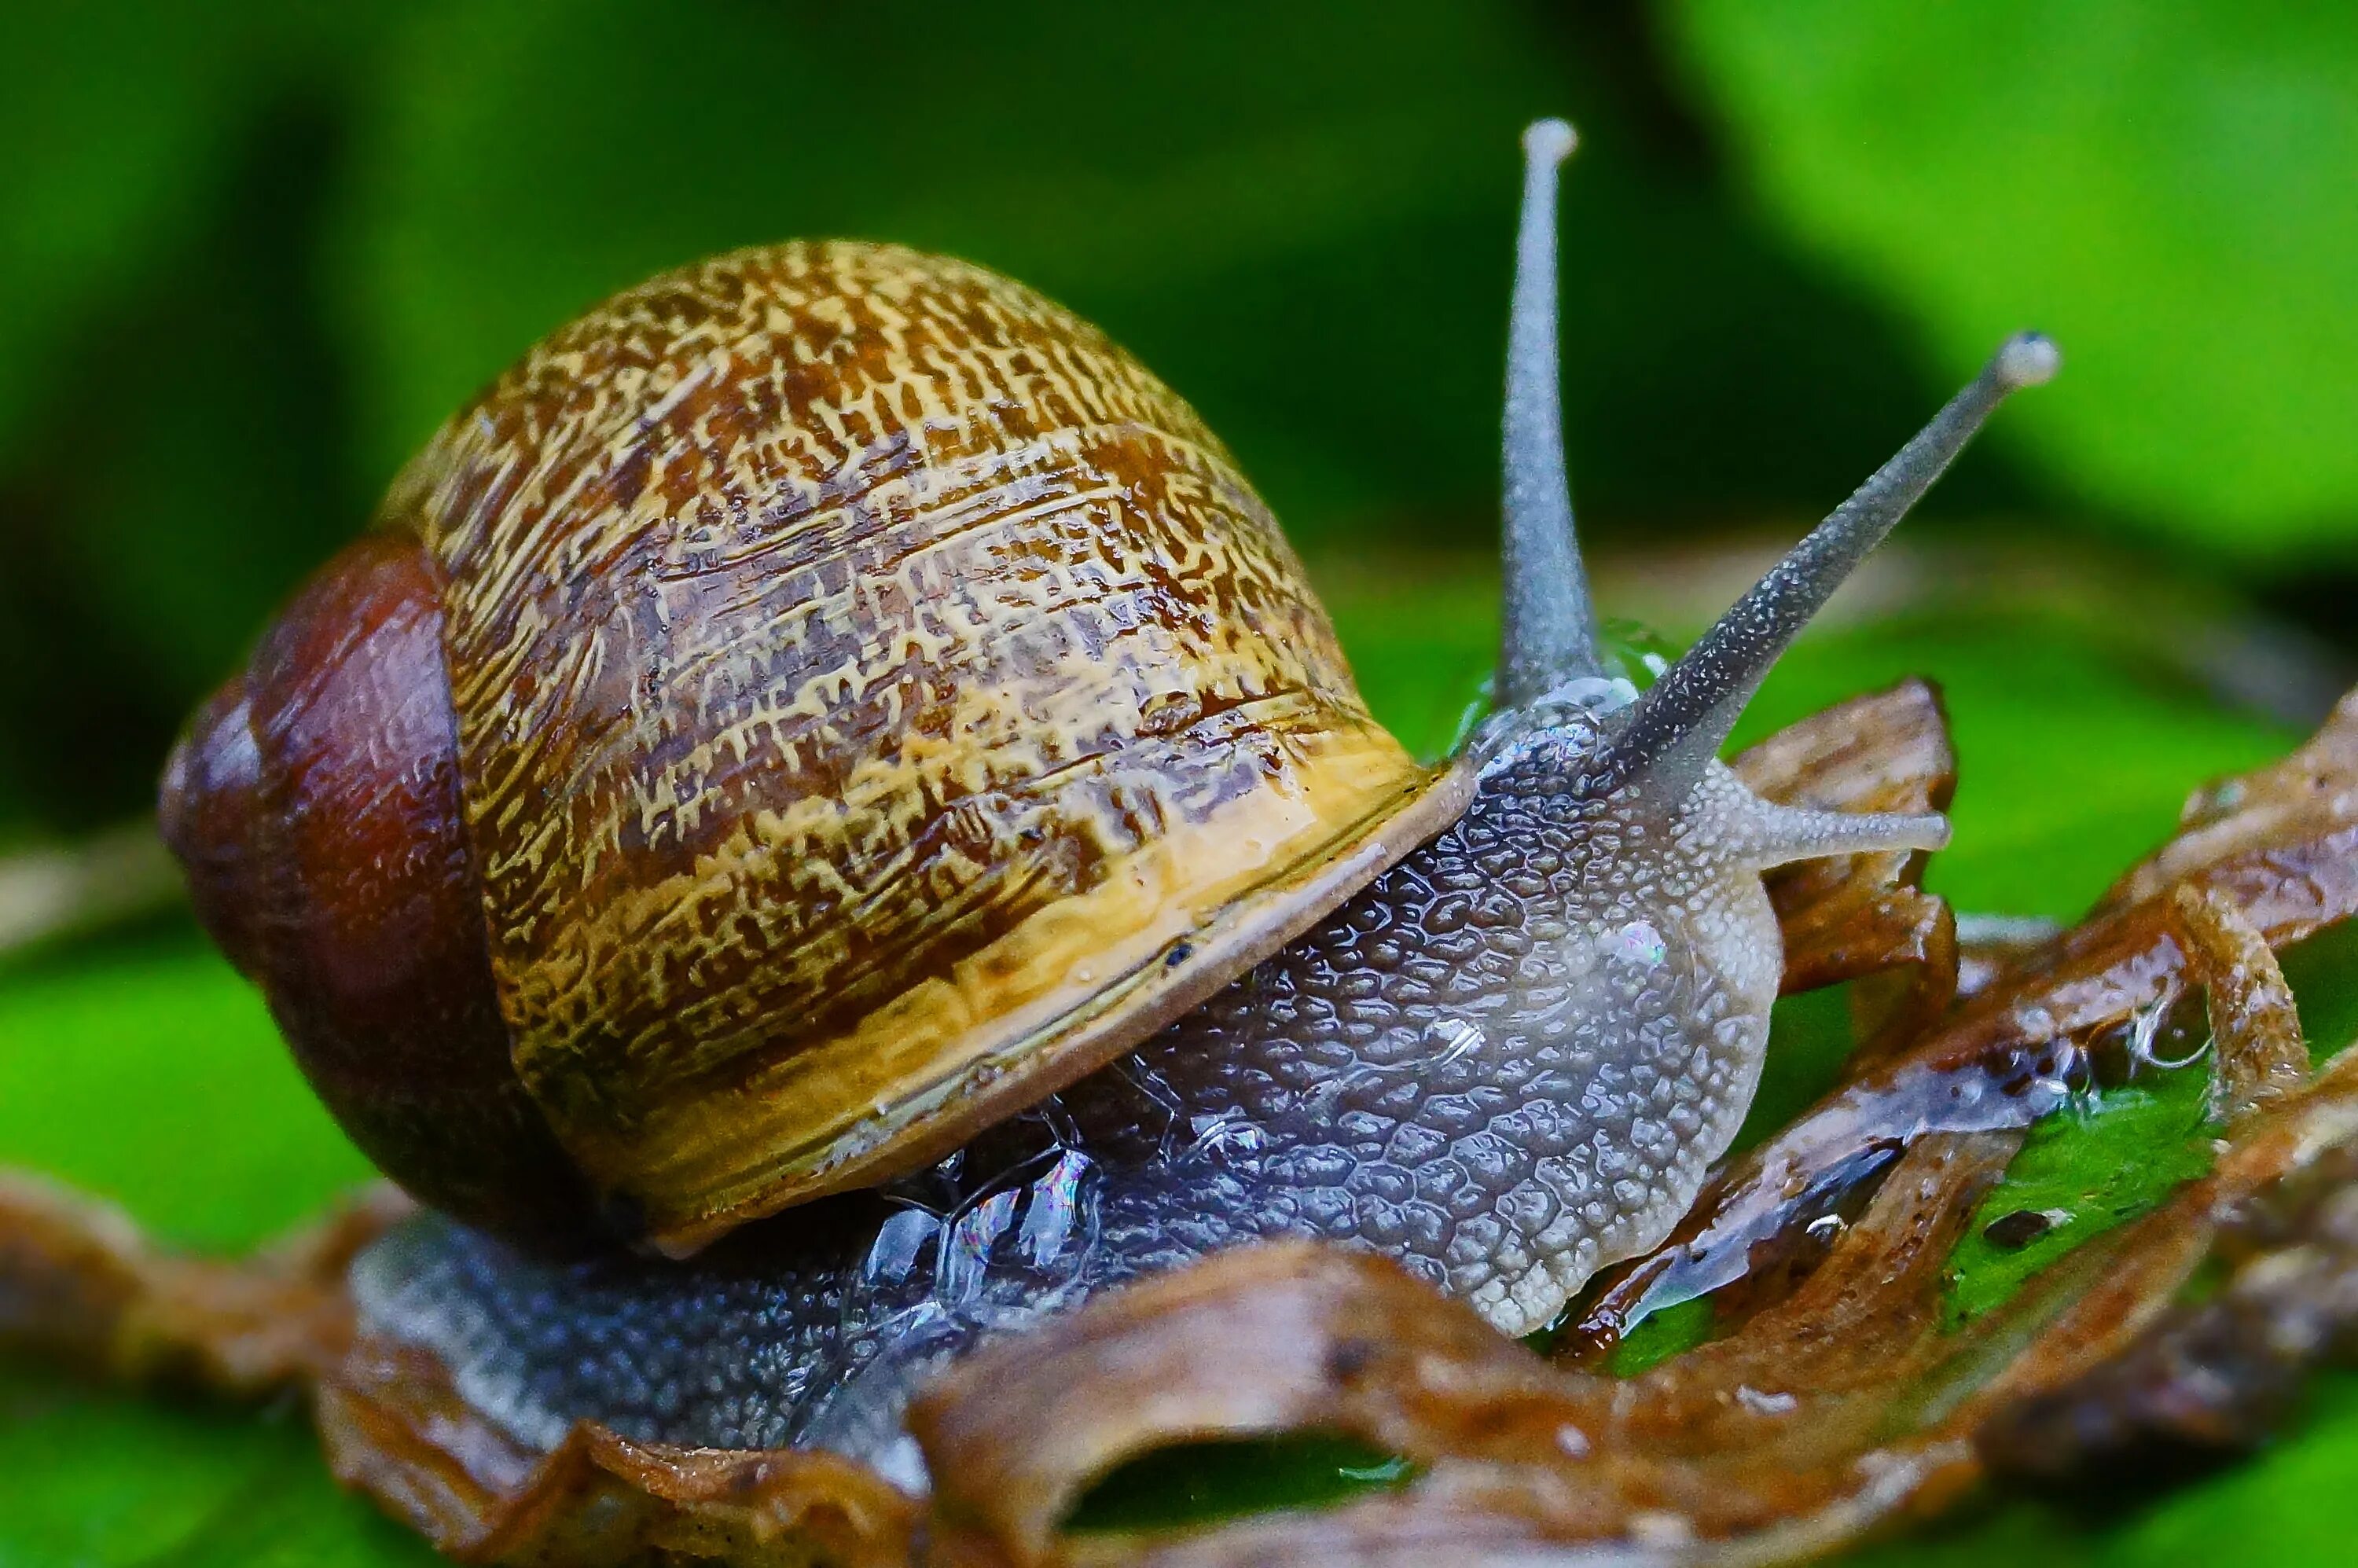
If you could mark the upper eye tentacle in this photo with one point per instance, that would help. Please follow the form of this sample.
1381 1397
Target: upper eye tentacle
1549 636
1678 725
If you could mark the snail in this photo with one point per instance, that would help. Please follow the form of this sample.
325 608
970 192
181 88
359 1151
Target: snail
825 822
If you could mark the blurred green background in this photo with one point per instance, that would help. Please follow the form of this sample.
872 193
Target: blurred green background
250 254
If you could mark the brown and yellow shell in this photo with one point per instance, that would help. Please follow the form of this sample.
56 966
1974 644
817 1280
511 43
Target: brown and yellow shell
877 701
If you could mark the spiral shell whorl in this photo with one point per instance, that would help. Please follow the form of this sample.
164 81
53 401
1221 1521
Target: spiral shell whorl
858 661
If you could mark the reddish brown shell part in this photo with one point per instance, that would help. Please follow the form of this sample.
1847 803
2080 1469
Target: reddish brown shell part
314 804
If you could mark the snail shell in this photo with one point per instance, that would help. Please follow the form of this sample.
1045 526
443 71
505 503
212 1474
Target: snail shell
812 706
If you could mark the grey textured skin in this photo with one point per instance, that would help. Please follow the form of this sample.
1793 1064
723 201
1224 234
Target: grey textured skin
1505 1064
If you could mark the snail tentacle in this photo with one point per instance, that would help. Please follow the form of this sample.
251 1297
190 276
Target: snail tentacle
1679 724
1764 835
1550 628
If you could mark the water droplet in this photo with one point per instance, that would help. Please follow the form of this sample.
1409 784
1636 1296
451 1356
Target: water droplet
966 1250
1225 1138
2147 1027
1452 1038
901 1243
1760 1404
1053 1215
1638 942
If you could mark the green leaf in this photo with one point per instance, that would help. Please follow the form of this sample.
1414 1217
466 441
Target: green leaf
1199 1482
2164 188
98 1479
2282 1509
158 1080
1656 1337
2096 1165
2120 1153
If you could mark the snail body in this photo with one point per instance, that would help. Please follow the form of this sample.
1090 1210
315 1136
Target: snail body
837 706
1504 1063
